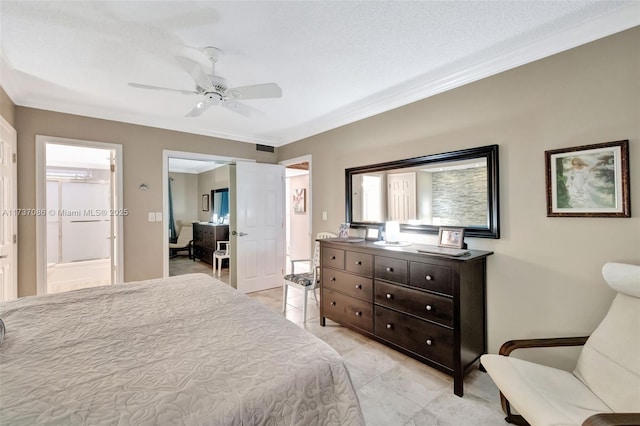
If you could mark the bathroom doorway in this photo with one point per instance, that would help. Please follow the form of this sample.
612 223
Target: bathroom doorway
80 192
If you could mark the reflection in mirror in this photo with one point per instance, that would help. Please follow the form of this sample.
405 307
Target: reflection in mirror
444 194
452 189
220 206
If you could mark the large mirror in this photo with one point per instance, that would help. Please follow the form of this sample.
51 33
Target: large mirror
458 188
220 206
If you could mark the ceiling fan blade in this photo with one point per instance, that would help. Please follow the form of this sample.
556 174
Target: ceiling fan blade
197 73
242 109
200 108
257 91
166 89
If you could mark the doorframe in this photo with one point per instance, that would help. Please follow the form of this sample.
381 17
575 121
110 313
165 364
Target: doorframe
304 159
14 200
41 200
166 154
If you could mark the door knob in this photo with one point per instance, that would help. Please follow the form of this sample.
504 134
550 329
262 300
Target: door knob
240 234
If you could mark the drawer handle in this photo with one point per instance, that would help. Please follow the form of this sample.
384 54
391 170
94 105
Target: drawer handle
429 342
389 326
358 313
358 263
359 286
332 279
428 307
428 277
389 296
333 303
389 269
332 258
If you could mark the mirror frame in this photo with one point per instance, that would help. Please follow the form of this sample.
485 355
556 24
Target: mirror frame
490 152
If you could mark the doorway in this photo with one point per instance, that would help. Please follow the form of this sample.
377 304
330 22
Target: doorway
194 176
79 187
298 212
192 189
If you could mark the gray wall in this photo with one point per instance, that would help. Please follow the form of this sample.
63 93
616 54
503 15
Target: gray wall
544 277
142 163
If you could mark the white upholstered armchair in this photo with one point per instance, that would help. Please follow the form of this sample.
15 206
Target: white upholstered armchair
604 388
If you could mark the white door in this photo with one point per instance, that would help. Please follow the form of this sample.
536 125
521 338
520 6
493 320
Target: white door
257 226
9 220
402 196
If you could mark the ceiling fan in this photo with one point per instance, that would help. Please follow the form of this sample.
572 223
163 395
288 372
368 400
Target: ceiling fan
215 89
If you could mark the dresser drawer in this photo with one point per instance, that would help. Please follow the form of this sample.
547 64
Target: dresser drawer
391 269
333 258
423 338
345 309
415 302
352 285
359 263
205 254
431 277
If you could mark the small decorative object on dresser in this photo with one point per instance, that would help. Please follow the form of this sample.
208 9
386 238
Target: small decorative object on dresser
451 237
430 307
343 232
373 234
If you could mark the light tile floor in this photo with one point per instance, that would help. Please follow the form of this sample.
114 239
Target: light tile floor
394 390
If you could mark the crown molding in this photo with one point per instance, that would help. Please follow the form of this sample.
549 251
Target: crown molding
466 72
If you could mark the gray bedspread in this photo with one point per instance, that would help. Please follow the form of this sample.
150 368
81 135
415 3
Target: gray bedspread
185 350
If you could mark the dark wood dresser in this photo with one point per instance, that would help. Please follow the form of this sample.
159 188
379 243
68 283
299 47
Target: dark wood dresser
205 237
430 307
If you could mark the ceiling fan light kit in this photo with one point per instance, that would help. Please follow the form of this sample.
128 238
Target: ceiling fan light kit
216 90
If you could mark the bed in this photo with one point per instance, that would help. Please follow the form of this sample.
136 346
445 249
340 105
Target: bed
182 350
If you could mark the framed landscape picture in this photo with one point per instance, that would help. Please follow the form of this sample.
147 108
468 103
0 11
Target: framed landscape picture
589 180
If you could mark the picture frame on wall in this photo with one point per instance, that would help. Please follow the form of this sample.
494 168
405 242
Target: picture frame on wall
451 237
588 180
205 203
299 200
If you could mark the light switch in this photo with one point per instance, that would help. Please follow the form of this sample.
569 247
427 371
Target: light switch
324 215
158 216
152 216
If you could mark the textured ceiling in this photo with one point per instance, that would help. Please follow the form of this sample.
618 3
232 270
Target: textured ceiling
336 61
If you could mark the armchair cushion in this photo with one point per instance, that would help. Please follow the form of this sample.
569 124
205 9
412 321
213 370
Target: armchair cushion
609 363
544 395
304 280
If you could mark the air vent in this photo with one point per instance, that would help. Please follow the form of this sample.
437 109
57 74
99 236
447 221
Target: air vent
265 148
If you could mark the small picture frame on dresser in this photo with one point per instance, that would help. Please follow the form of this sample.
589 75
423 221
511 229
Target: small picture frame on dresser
373 234
451 237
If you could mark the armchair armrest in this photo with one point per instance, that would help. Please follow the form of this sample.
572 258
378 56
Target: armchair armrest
293 263
512 345
613 419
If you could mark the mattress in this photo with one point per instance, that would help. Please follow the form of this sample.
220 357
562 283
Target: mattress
186 350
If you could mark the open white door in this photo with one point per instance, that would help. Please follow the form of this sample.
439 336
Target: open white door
9 219
257 226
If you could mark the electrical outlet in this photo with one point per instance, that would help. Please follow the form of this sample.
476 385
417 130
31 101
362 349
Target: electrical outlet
158 216
152 217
